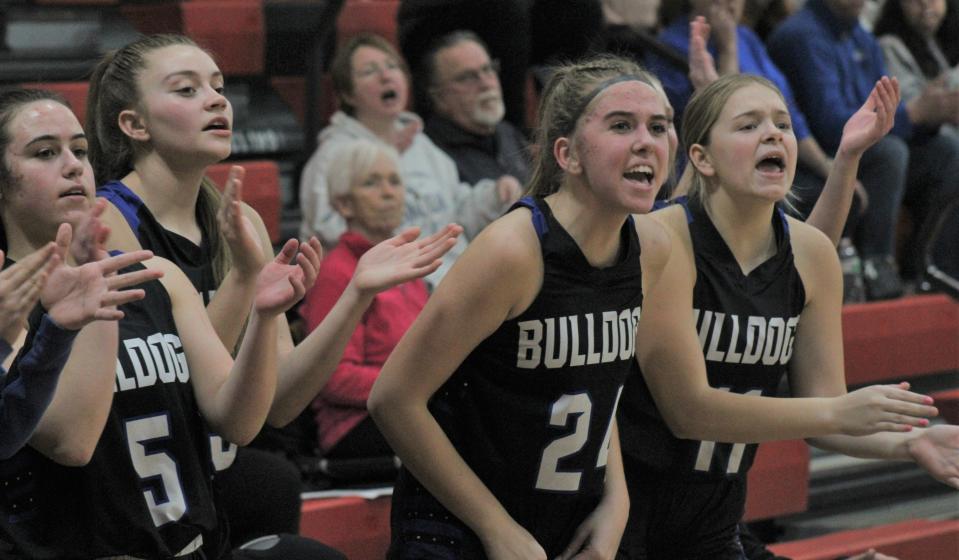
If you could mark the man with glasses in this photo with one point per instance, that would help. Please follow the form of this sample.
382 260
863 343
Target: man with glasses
466 120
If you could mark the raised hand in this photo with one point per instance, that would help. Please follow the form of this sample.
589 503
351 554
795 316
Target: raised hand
237 229
90 235
883 408
723 25
284 280
702 67
936 449
403 258
403 138
20 286
873 120
76 296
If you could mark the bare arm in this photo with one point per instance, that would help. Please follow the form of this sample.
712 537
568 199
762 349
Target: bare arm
305 370
496 278
235 396
866 127
75 298
243 231
672 362
816 372
599 535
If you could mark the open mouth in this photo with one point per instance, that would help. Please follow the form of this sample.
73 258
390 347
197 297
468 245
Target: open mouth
75 191
771 164
217 124
641 174
389 95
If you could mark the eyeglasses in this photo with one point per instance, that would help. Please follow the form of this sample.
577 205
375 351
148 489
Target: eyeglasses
472 78
371 70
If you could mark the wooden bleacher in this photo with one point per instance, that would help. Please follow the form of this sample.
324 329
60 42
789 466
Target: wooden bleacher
917 539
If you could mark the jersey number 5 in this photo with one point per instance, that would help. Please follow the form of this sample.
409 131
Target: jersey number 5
166 503
578 405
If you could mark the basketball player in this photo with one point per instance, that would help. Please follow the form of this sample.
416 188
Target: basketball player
507 431
136 422
765 294
157 119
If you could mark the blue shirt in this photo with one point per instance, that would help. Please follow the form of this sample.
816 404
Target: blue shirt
27 394
753 59
833 65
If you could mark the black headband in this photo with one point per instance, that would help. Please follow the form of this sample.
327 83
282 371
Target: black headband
599 89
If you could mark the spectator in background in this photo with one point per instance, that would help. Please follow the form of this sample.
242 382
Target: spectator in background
365 188
520 33
736 48
920 40
371 82
762 16
631 29
638 14
468 110
832 63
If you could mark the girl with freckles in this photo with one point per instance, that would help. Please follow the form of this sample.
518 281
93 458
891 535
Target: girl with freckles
764 293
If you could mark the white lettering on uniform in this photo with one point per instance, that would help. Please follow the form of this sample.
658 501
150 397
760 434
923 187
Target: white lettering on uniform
158 358
769 339
554 342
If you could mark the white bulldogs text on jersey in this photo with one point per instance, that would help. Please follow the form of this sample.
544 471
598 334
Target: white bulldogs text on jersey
769 339
159 357
556 342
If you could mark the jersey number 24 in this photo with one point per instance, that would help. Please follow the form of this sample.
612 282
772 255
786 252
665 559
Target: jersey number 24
578 406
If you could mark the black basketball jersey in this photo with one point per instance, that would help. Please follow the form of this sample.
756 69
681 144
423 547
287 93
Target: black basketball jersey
530 409
147 491
196 261
746 325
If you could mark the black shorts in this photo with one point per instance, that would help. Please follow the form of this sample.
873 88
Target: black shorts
673 518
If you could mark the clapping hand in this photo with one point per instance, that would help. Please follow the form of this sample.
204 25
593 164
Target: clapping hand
403 258
77 295
702 66
284 281
238 231
20 286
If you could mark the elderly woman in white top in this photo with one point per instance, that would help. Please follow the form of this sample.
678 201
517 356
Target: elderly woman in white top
372 85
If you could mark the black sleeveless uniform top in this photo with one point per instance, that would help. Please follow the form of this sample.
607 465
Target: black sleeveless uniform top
530 408
147 491
746 326
196 261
